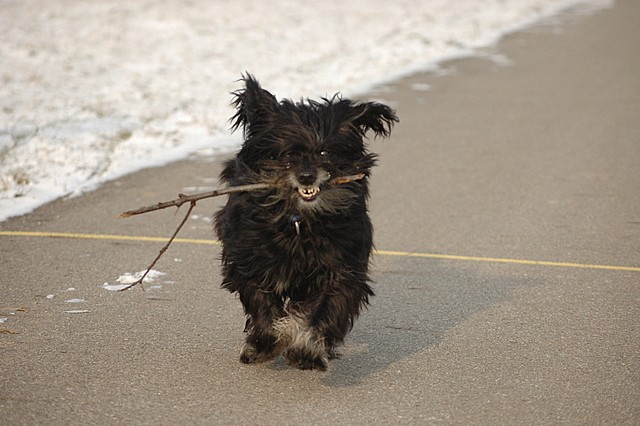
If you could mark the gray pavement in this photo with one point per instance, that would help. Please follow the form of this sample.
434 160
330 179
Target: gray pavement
536 160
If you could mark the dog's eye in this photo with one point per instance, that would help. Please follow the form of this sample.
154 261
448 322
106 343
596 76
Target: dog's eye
286 158
324 154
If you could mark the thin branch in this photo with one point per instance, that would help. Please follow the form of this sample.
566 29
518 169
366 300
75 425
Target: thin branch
162 250
346 179
195 197
233 189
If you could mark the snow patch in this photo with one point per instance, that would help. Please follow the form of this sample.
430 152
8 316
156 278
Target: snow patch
202 218
128 278
114 287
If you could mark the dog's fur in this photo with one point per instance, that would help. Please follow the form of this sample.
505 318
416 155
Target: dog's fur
298 254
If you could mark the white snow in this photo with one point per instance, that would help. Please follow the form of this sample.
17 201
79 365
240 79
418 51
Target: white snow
203 218
113 287
129 278
75 301
90 91
78 311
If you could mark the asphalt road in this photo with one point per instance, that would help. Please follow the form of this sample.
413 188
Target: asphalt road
507 215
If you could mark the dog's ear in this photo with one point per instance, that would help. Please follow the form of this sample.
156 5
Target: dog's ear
373 116
255 107
362 117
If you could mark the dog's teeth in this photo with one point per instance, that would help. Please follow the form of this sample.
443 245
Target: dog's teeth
308 193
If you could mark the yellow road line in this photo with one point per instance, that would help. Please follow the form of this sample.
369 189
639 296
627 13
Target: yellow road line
505 260
104 237
379 252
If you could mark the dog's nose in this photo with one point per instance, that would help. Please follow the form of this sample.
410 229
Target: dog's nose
306 177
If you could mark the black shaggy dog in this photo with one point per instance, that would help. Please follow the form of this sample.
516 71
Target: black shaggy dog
297 254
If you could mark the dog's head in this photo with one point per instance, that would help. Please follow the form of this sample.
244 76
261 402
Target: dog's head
301 147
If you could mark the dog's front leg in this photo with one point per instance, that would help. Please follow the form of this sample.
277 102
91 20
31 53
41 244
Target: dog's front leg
314 329
305 345
263 310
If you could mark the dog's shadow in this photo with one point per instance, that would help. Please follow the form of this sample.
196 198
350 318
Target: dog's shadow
413 309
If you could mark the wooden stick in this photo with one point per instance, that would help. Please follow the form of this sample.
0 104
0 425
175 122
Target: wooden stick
233 189
345 179
195 197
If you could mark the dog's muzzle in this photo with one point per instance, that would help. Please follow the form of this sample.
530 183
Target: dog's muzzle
307 183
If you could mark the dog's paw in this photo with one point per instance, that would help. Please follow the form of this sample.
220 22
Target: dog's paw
249 355
260 348
333 354
304 360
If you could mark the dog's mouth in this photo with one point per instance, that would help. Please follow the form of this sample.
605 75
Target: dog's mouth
308 193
